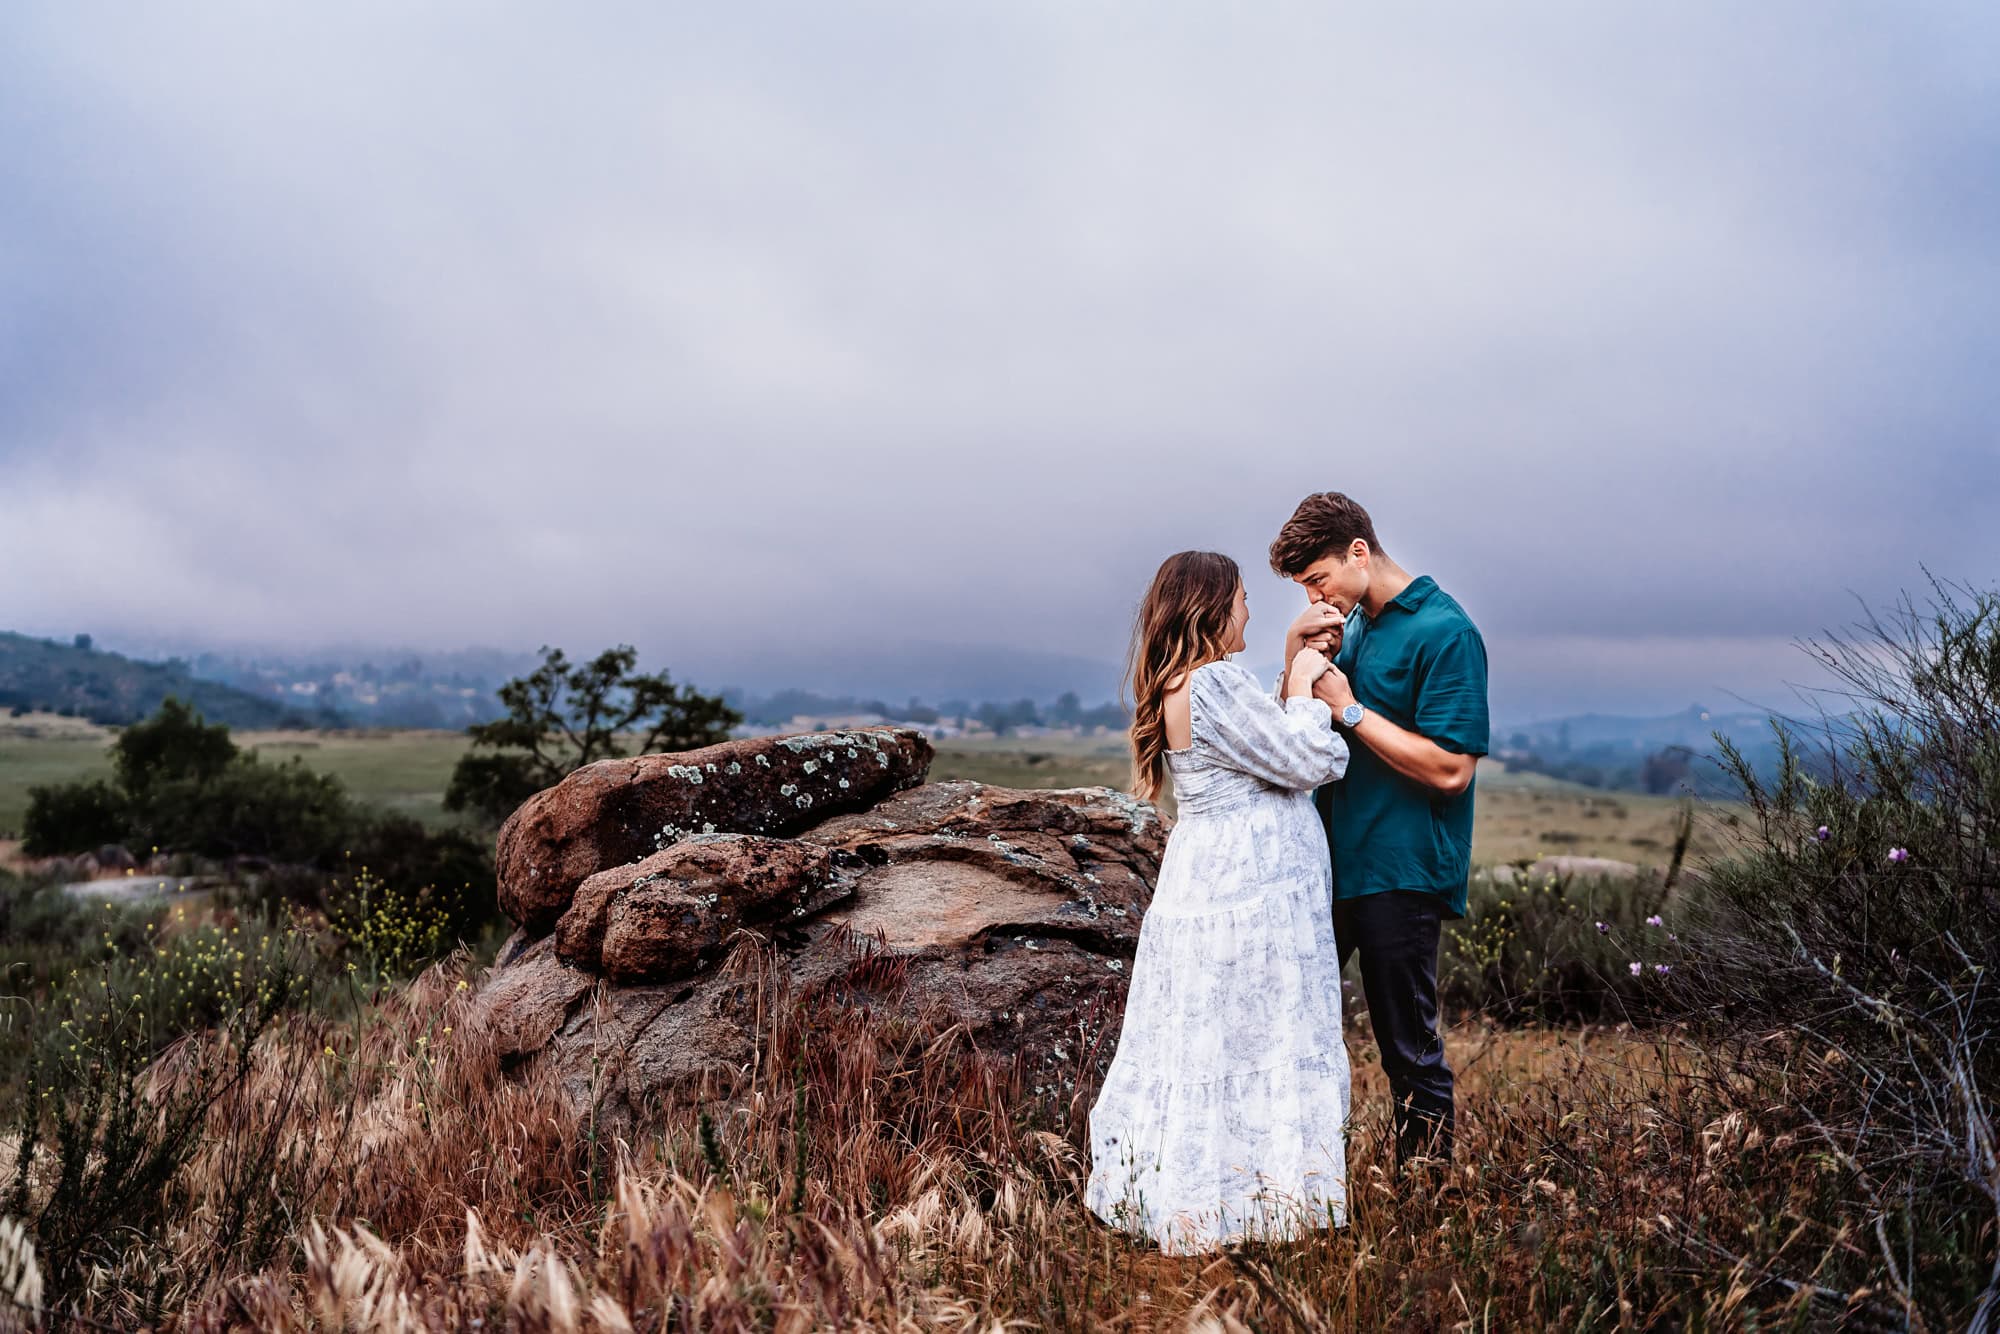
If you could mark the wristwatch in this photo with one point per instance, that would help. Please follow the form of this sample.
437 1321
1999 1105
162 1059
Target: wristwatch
1350 717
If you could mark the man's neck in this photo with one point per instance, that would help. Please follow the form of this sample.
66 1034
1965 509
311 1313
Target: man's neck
1386 583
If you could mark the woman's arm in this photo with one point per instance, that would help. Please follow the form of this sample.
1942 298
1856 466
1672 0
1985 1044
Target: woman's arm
1290 745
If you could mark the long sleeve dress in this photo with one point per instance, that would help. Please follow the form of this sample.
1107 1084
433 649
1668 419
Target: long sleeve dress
1224 1112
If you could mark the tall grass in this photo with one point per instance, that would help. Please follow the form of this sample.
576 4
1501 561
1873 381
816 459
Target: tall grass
874 1172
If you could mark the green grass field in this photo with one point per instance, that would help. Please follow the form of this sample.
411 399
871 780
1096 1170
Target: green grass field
405 771
1520 815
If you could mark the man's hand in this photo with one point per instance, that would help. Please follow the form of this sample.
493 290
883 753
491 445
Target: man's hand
1335 689
1317 627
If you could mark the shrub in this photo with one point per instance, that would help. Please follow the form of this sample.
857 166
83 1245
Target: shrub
393 929
73 817
279 812
451 861
1561 949
101 1134
1857 930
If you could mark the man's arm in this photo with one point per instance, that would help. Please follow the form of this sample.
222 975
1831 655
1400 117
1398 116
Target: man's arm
1415 757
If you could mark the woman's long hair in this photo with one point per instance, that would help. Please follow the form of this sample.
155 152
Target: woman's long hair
1183 622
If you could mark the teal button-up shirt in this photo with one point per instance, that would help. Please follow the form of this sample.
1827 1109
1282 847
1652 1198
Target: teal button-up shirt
1421 664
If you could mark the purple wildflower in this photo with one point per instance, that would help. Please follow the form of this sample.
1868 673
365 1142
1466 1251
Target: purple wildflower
1637 967
1655 920
1823 833
1663 968
1899 855
1602 928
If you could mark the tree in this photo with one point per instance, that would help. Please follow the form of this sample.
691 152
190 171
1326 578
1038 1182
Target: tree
175 743
563 716
72 817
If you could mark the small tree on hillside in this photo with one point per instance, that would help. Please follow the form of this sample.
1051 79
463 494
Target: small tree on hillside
175 743
563 716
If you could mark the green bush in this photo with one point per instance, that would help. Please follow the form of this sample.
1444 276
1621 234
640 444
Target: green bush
404 851
1882 880
277 812
1562 949
181 784
73 817
445 875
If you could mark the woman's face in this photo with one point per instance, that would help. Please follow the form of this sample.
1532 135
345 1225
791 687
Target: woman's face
1239 617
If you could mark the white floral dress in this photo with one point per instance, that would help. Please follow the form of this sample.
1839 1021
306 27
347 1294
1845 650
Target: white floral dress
1224 1113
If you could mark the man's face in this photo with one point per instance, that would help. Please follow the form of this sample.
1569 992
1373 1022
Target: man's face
1343 582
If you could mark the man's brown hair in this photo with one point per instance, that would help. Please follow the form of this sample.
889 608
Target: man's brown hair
1324 524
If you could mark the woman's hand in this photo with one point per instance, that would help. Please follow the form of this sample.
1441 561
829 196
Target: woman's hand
1308 665
1319 626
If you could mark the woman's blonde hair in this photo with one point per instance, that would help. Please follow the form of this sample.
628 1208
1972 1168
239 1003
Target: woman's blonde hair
1183 622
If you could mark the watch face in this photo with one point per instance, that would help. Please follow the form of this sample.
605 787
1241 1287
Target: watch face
1350 715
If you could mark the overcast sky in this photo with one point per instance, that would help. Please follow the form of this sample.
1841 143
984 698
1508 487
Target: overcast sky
772 337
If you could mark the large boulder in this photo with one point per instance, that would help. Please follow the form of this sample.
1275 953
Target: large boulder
1013 915
615 812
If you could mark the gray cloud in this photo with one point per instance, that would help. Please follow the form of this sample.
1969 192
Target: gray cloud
750 332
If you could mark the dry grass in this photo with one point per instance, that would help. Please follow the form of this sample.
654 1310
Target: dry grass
871 1174
1524 816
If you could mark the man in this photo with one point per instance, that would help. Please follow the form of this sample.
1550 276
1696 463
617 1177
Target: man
1408 685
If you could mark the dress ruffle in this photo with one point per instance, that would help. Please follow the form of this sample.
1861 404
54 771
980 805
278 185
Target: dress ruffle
1194 1165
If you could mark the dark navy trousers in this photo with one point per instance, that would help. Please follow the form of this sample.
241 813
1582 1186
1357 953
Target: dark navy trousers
1396 935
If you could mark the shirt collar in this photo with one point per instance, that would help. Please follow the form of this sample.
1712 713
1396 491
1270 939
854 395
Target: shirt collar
1413 597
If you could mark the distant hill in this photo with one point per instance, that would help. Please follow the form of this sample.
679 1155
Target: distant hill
1666 754
1694 727
43 675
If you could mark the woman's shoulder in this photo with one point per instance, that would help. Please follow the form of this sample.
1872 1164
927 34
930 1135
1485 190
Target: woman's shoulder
1222 677
1224 670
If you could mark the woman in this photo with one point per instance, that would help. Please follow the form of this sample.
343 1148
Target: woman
1223 1114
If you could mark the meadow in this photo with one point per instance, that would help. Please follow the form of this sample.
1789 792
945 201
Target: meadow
1520 816
1751 1090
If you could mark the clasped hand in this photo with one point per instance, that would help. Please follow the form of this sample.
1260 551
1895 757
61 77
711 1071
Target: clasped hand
1310 643
1310 672
1319 626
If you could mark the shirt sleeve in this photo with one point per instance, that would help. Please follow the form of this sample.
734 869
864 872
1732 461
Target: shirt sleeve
1289 745
1451 702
